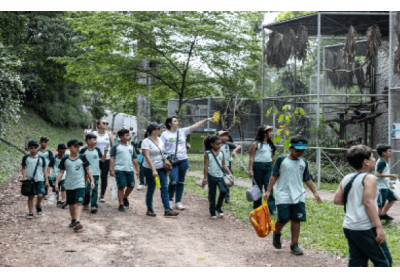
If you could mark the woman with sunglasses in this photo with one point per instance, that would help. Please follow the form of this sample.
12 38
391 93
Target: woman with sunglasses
104 141
261 158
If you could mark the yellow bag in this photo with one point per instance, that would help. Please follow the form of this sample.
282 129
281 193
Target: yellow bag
261 220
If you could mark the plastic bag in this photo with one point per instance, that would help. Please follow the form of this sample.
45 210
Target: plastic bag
52 198
114 195
396 189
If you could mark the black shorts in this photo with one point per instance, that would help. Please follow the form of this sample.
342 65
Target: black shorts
292 212
75 196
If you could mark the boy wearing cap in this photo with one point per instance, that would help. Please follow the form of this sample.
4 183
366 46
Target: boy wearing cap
76 166
47 154
53 170
94 156
289 173
122 159
29 164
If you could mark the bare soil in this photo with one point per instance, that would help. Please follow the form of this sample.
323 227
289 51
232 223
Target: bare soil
113 239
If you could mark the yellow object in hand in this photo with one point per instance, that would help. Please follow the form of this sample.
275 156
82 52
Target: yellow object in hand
158 184
216 117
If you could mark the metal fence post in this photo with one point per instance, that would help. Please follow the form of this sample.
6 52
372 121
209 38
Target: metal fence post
318 97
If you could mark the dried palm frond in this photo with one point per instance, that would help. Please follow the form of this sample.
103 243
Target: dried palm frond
374 37
349 49
301 45
287 44
273 50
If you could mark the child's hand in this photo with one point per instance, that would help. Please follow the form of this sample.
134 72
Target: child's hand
92 185
204 182
319 200
106 149
233 154
57 190
112 173
380 235
395 176
47 184
266 195
251 174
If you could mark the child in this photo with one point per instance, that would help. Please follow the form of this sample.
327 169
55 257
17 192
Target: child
362 226
29 163
122 156
53 170
47 154
382 172
75 165
289 173
229 149
140 160
214 166
94 156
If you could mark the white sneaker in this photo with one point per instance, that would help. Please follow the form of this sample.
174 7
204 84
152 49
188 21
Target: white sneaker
179 206
213 217
140 187
171 202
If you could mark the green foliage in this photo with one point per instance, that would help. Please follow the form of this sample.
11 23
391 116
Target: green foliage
291 14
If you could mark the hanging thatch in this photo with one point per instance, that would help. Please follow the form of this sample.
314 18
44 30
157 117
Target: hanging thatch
359 74
374 37
349 49
301 45
273 50
287 45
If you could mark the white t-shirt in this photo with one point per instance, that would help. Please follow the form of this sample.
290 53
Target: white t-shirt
102 142
87 131
169 140
155 155
356 216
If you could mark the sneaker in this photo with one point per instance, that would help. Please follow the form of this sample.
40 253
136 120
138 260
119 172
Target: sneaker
140 187
385 217
296 249
93 211
63 205
86 207
220 213
72 224
276 240
59 204
171 213
39 209
102 198
179 206
150 213
228 201
77 226
213 217
30 216
126 202
121 208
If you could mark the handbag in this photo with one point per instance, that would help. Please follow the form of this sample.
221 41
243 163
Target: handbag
228 180
253 193
27 186
261 220
172 158
166 164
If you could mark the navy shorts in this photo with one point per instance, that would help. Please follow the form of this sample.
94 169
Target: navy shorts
124 179
38 188
61 185
75 196
385 194
292 212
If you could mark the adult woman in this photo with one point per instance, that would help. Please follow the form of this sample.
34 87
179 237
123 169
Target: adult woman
153 166
104 139
261 158
87 131
174 140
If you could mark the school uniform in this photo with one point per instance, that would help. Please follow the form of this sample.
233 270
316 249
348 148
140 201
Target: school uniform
385 193
359 229
214 177
47 155
123 165
54 164
75 178
102 142
30 163
93 156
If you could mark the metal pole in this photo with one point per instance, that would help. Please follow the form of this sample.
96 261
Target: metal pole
390 78
318 95
208 114
262 78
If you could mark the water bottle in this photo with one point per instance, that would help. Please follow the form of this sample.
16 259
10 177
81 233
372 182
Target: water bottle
52 198
158 184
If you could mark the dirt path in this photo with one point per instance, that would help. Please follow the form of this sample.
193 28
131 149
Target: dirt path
324 194
113 238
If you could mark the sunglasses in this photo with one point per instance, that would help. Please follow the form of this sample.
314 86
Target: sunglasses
106 123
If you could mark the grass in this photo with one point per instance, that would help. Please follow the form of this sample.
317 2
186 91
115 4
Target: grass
33 126
323 229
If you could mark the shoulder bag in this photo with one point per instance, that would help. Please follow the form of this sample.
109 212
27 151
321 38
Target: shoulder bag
228 180
172 158
27 187
166 164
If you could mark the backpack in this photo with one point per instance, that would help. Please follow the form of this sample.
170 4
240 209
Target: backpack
261 221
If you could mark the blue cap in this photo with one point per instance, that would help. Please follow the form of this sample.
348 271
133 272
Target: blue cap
74 142
299 146
33 143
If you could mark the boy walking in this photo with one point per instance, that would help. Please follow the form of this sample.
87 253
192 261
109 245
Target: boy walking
75 165
382 171
94 156
289 173
53 170
47 154
33 167
362 226
122 156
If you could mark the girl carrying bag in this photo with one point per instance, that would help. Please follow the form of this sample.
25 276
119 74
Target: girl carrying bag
28 185
228 180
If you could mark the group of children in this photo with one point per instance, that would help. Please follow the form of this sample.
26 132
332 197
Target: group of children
366 198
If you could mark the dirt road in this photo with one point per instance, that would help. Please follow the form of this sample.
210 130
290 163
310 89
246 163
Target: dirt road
113 238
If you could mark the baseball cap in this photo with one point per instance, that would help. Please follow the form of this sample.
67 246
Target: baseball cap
33 143
299 145
223 132
44 139
268 127
74 142
153 125
61 146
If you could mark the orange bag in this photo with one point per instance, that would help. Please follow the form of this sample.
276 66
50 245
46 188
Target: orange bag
261 220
